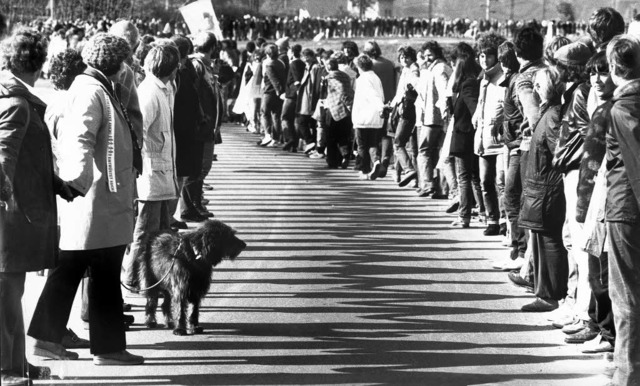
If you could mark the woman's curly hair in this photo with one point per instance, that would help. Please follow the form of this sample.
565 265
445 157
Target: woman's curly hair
488 43
64 68
24 52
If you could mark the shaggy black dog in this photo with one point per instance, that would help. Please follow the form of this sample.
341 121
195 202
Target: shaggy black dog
182 264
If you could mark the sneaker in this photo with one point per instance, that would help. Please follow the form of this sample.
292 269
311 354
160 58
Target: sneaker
596 345
384 168
563 320
345 162
206 186
265 141
204 201
508 264
460 223
192 217
518 280
289 145
315 155
407 178
425 192
503 229
179 225
52 350
71 340
375 172
273 143
13 379
309 147
120 358
482 218
540 305
453 207
363 176
587 334
492 230
575 327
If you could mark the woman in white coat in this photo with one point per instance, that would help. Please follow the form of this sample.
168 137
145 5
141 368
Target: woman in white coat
368 103
97 161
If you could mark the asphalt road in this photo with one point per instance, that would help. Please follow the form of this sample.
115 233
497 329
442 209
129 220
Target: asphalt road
343 282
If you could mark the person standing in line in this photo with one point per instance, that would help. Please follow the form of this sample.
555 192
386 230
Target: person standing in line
157 185
622 211
337 117
462 107
386 72
97 161
487 120
294 76
274 79
512 133
405 102
205 46
28 211
368 103
308 96
430 109
543 205
188 116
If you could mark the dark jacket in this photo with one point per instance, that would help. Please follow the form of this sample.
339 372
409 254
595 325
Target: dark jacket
28 225
574 127
623 156
595 148
463 106
296 71
543 202
275 77
208 97
386 71
512 122
187 117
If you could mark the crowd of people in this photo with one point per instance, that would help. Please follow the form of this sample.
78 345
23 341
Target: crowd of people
251 27
538 141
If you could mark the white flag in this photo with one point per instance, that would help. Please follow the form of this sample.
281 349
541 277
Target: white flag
200 16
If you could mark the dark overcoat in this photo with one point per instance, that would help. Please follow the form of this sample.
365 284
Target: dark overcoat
28 223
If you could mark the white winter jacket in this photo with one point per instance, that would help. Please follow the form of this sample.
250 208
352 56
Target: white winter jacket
368 102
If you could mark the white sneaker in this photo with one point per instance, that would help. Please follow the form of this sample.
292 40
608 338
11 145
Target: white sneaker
363 176
507 264
314 154
308 147
266 140
513 264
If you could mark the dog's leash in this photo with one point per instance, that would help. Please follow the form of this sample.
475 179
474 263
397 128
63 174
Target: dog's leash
134 290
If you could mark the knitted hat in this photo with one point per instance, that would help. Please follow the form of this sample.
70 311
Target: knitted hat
105 53
573 54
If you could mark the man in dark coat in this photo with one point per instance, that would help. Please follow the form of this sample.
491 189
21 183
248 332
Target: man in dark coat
296 71
273 93
189 147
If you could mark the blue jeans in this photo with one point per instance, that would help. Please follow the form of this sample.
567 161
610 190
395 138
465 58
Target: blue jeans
468 175
512 193
270 114
624 289
489 191
428 154
368 147
403 137
152 216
